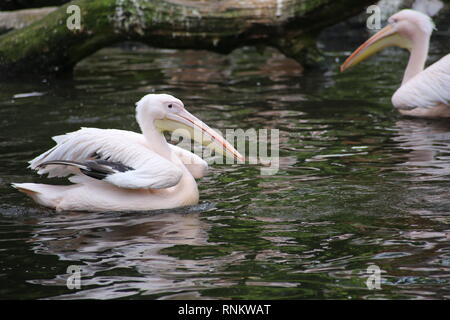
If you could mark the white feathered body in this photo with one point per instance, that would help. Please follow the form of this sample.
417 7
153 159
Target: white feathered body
155 183
427 94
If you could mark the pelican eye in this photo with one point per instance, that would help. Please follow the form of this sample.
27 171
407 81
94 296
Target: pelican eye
170 106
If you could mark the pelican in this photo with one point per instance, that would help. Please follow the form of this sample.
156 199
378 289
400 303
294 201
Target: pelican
423 93
114 170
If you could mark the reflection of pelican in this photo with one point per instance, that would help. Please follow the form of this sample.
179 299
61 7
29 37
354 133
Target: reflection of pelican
426 144
423 93
100 244
123 170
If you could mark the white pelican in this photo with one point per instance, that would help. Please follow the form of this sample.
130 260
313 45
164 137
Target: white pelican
123 170
423 93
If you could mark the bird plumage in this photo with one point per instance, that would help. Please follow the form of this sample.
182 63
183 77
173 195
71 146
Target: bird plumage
129 148
424 92
122 170
428 89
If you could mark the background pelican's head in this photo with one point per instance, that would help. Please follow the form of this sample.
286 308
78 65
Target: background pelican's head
167 113
405 29
411 23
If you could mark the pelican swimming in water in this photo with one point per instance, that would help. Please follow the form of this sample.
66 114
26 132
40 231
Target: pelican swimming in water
122 170
423 93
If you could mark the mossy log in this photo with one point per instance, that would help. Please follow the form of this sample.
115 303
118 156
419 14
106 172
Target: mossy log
17 19
49 46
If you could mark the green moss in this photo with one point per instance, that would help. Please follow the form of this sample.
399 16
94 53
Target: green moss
48 46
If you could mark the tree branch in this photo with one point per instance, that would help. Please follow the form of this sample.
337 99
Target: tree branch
48 46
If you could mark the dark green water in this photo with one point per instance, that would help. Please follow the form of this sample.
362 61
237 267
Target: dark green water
357 185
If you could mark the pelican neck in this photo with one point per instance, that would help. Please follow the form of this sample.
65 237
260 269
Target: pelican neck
418 57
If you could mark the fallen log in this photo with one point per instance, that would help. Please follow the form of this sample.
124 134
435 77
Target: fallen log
10 20
49 46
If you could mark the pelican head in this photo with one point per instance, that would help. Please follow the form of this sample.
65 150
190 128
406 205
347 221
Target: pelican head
169 114
406 29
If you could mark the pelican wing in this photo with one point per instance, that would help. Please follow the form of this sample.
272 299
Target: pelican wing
195 165
139 166
427 89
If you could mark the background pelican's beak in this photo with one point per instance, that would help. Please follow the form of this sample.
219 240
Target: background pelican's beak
198 131
386 37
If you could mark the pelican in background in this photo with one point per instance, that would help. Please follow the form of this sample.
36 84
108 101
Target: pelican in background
122 170
423 93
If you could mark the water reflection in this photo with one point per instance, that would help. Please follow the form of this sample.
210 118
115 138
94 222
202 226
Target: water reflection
120 254
427 146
